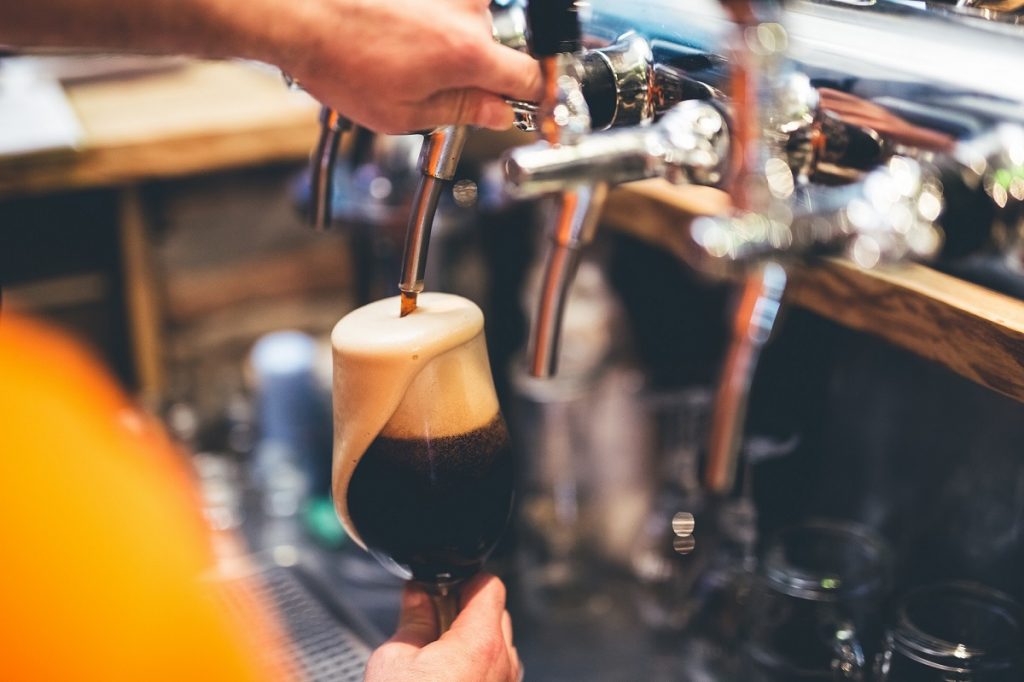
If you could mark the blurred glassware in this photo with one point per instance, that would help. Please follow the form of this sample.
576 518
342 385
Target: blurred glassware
584 441
221 489
666 577
292 455
815 604
551 426
958 631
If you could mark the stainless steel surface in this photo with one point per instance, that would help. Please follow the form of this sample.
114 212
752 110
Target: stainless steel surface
632 66
417 236
806 98
441 152
752 326
439 158
886 217
576 213
509 25
315 640
683 524
332 126
690 145
563 119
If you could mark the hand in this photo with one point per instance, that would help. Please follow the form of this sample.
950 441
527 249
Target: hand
405 65
477 648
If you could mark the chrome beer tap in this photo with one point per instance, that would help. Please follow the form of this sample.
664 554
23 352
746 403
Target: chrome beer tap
762 142
321 179
583 91
563 118
439 157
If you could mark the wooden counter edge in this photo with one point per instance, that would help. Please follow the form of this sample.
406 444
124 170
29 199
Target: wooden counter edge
972 331
167 158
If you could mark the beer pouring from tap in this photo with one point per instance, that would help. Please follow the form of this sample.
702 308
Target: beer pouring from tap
439 158
422 477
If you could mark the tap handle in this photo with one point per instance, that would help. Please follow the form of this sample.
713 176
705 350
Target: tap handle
690 145
891 215
554 27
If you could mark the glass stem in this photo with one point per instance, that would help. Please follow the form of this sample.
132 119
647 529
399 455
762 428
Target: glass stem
446 605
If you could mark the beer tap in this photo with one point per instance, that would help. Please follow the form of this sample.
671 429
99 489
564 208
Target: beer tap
761 144
582 91
755 49
439 157
563 118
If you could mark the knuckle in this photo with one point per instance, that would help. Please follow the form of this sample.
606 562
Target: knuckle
462 108
465 48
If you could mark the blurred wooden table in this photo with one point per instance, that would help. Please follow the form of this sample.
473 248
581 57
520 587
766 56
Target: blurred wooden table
971 330
197 118
202 117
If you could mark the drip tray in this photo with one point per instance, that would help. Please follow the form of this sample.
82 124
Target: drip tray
321 641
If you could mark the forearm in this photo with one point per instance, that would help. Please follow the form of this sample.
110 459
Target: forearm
258 29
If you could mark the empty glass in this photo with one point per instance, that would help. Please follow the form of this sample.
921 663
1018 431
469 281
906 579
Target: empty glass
953 632
814 604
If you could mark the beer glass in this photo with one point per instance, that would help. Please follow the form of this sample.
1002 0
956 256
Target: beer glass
423 473
953 632
815 602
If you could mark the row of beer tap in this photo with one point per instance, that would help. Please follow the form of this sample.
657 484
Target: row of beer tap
807 175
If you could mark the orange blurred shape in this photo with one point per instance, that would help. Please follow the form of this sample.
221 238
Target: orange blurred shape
101 538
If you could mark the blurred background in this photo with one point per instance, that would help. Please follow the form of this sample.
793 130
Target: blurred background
155 209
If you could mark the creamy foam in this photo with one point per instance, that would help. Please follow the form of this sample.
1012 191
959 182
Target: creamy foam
424 375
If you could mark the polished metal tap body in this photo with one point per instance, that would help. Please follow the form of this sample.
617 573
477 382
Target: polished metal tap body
790 99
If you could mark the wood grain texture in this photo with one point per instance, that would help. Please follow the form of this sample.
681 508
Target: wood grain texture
973 331
203 117
314 269
141 291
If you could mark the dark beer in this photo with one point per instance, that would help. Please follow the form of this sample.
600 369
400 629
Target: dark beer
435 507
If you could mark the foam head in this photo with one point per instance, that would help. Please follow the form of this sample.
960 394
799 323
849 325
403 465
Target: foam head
419 376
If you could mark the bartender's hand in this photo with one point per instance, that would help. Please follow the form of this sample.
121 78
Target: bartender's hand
407 65
477 648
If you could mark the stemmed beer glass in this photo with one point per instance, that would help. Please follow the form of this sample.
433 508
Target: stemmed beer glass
423 473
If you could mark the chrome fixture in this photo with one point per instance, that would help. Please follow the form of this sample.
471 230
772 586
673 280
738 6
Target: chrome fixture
821 152
439 158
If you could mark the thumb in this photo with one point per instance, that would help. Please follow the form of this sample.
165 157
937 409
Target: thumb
468 106
417 623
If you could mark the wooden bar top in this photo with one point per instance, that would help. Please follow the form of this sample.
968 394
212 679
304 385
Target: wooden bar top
200 117
969 329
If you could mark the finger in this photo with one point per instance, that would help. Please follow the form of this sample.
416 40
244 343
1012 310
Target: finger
469 106
506 629
507 72
417 622
483 603
517 665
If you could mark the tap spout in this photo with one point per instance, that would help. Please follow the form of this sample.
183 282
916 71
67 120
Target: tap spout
577 212
439 158
332 126
753 322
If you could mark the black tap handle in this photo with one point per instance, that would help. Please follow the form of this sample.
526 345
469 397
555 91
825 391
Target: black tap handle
554 27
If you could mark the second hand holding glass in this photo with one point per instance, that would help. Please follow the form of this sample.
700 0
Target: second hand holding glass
423 474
